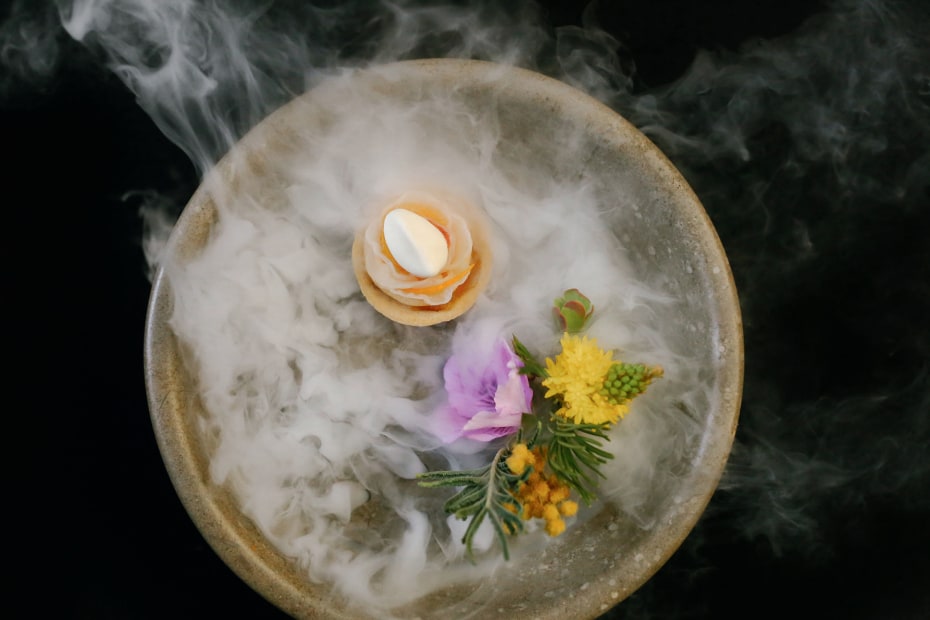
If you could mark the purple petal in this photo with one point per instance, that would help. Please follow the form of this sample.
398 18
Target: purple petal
510 398
485 420
487 397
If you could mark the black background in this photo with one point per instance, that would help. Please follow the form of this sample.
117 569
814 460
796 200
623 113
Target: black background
836 353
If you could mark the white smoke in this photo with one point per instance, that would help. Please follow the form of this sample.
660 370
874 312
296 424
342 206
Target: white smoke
318 404
809 152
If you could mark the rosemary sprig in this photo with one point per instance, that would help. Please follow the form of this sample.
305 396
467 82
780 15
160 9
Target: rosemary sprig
575 454
486 492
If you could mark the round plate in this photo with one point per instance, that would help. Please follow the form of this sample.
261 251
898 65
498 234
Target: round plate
663 233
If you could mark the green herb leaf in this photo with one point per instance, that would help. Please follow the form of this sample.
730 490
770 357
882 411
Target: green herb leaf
485 493
531 367
575 454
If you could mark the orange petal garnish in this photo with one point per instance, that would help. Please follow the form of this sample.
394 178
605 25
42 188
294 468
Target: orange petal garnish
390 257
435 288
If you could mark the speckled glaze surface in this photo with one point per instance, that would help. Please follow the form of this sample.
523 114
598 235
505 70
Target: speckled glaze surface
675 238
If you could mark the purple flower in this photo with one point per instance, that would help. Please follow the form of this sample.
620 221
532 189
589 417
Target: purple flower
487 395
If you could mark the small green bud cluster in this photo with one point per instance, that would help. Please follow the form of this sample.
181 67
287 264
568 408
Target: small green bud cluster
624 382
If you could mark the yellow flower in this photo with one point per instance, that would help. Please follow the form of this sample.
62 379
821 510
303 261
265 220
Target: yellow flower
576 377
559 492
554 527
520 458
568 508
545 497
551 512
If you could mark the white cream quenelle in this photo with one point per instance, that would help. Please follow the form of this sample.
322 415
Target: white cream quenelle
415 243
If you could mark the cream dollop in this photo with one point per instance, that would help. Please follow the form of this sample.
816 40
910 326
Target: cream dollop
415 243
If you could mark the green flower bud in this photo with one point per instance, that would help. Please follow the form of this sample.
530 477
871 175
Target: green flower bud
572 310
624 381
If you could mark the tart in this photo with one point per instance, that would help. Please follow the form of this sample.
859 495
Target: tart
403 273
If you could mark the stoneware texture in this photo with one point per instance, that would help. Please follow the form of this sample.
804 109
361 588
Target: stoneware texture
675 238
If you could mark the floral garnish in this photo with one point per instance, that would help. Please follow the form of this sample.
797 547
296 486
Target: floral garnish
591 387
546 497
583 391
520 458
487 397
572 311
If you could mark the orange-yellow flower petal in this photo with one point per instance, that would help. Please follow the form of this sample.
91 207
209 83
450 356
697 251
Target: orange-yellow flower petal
555 527
520 458
551 512
568 508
